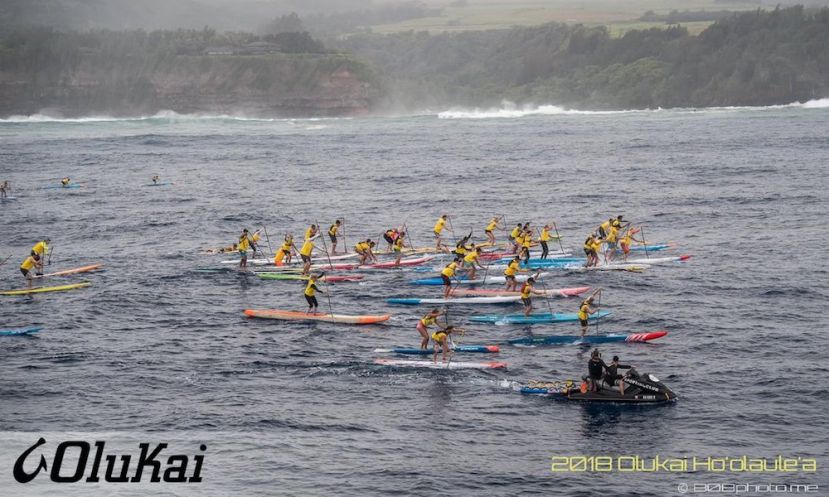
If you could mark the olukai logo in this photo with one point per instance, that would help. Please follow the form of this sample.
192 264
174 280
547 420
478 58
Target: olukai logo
116 468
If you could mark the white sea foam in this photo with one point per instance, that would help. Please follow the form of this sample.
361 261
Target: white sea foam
165 115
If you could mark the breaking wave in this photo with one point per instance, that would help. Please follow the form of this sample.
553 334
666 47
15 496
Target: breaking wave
510 110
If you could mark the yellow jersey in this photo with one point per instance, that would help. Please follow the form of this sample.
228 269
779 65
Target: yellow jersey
439 336
515 232
286 246
244 243
29 263
333 230
583 310
512 268
40 248
449 270
310 288
307 248
492 225
439 225
428 320
545 235
362 247
613 234
471 257
526 290
309 233
398 244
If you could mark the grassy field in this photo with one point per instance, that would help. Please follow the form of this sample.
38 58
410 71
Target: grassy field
619 15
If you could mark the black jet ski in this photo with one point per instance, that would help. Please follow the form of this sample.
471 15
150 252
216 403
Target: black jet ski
639 389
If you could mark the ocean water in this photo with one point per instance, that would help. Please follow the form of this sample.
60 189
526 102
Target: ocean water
155 352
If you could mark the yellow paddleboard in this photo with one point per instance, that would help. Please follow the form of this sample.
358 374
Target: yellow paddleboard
42 289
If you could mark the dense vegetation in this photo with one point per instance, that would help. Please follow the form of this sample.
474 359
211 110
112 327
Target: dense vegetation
750 58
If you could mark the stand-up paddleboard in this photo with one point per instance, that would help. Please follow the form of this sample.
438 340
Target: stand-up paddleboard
550 292
534 318
77 270
489 280
414 261
294 277
409 363
652 248
481 349
160 183
302 316
605 267
296 261
54 187
499 299
43 289
19 331
8 198
588 339
658 260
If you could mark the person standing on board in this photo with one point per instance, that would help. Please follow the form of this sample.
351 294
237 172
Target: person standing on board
510 272
438 229
332 234
31 262
470 260
285 253
305 255
41 249
365 251
423 326
310 288
5 188
611 241
585 311
398 247
65 181
156 179
311 232
490 228
390 235
604 228
245 243
447 274
543 239
626 241
513 235
442 340
527 290
591 250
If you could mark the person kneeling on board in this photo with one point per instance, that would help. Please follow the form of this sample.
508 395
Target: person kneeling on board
310 289
31 262
41 249
364 249
442 341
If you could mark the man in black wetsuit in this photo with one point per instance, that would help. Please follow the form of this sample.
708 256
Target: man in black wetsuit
595 369
612 375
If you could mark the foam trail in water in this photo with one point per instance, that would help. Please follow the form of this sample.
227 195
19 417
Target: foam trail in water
161 116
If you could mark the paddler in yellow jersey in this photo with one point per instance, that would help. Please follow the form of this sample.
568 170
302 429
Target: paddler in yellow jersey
285 253
526 243
65 181
447 274
509 273
390 235
31 262
423 326
627 239
513 237
591 250
311 232
333 230
310 289
611 241
365 251
544 238
585 311
305 255
490 228
442 341
245 243
439 225
470 260
527 289
398 247
5 188
604 228
41 249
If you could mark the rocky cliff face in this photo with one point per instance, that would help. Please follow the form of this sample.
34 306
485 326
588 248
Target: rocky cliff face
271 85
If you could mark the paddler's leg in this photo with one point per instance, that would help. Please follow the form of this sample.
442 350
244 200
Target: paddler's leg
333 244
306 268
472 273
397 257
424 333
447 285
583 323
528 306
27 276
490 237
544 249
310 301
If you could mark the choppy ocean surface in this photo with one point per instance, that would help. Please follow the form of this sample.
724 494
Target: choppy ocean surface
155 352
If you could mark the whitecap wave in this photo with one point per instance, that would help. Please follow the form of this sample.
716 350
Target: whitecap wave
161 116
510 110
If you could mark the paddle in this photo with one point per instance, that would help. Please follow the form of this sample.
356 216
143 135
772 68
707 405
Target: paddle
327 292
269 241
598 310
452 229
558 237
342 231
5 260
455 345
645 243
547 296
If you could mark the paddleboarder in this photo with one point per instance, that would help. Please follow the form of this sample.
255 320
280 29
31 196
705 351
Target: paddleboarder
65 181
527 290
285 253
423 326
332 235
447 274
305 255
365 251
490 228
470 260
585 311
310 289
439 225
398 247
5 188
31 262
245 243
442 341
156 179
510 272
543 239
